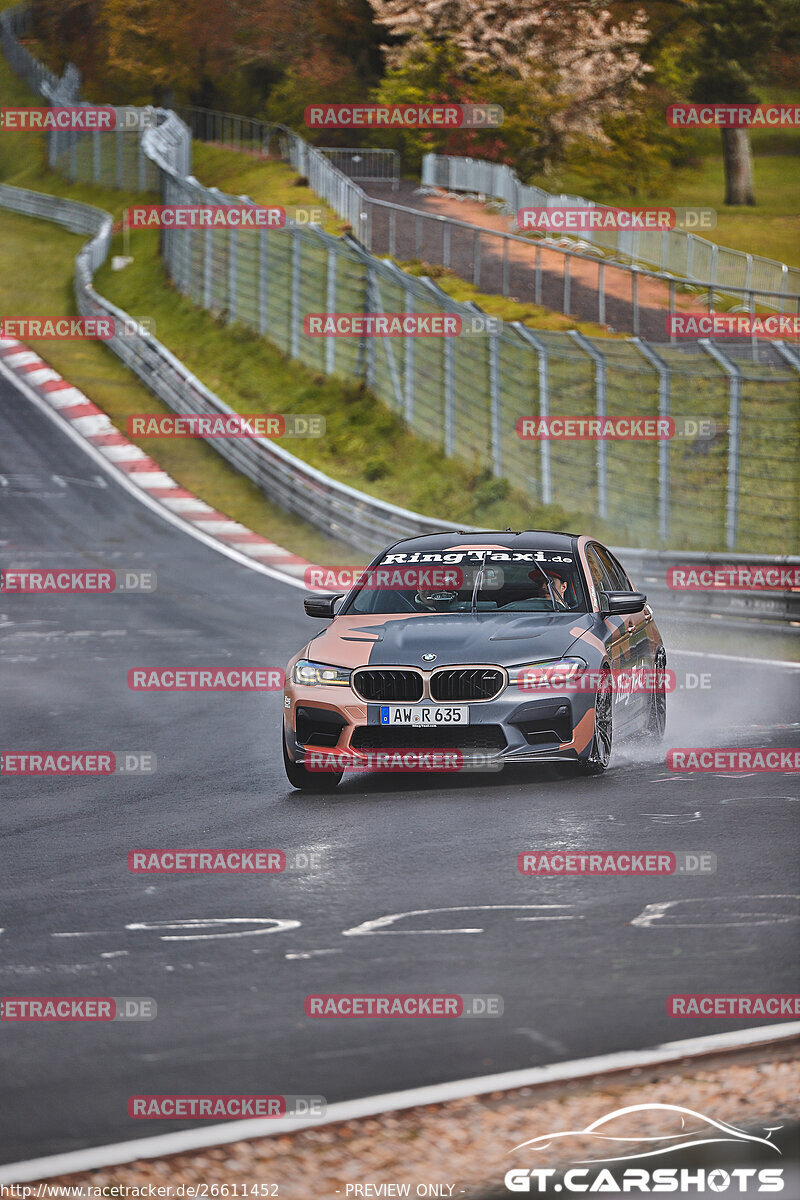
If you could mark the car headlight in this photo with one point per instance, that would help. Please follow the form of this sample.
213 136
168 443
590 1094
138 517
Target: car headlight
320 674
550 673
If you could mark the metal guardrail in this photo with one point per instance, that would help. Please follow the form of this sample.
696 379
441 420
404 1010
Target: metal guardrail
467 397
684 255
336 509
768 609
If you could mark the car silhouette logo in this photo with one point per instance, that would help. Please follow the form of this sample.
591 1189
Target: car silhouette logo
428 657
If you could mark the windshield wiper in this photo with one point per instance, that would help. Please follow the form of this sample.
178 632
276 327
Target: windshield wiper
549 586
477 584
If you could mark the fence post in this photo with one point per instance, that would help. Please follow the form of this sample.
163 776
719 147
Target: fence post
567 286
494 400
734 414
96 155
294 299
330 302
263 281
657 361
600 412
635 300
408 364
233 273
207 263
544 405
601 293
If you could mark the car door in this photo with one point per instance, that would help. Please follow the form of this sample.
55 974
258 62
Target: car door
629 646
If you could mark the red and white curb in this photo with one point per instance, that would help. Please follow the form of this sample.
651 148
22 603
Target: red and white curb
86 419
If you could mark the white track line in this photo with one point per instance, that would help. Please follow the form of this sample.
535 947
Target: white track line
758 662
123 480
236 1131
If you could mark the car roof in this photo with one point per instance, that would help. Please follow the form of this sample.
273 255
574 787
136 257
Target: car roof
526 539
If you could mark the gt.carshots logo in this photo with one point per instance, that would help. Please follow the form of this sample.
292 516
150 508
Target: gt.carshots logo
627 1134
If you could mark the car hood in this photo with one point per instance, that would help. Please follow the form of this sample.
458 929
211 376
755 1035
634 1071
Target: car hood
506 640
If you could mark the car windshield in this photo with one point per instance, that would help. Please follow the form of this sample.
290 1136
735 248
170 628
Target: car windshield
491 582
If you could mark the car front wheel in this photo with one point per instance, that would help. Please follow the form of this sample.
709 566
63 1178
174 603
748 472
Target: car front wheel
600 750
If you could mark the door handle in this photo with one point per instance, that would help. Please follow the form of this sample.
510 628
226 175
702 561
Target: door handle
630 626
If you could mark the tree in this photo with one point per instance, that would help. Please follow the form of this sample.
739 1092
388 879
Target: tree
729 46
569 48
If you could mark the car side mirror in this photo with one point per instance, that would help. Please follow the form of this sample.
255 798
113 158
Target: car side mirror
620 603
321 606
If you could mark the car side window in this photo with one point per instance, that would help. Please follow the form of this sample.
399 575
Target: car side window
601 580
614 572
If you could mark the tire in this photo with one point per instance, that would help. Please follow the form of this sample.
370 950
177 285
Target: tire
656 721
600 751
308 781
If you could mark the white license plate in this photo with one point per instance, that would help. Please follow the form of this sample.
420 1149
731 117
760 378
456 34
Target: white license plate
429 714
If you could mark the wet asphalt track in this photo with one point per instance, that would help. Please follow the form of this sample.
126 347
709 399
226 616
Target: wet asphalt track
230 1007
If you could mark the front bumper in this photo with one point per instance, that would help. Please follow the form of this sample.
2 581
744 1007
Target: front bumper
513 727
